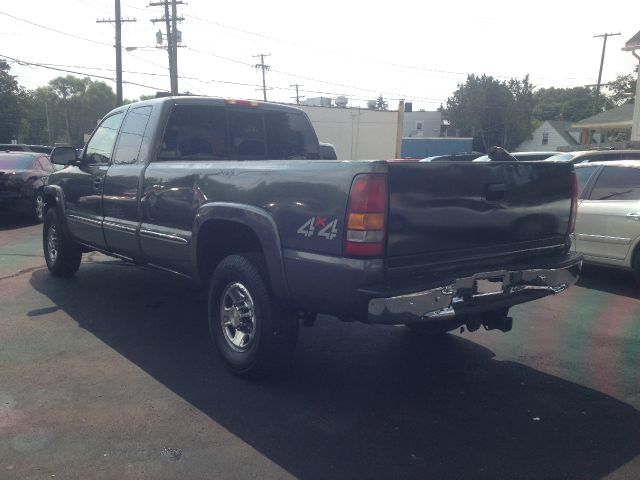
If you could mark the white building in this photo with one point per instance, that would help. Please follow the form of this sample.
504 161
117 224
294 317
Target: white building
356 133
549 136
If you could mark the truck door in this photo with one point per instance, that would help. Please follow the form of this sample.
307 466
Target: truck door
609 219
83 187
121 193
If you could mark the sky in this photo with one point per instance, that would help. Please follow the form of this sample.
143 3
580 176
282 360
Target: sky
417 51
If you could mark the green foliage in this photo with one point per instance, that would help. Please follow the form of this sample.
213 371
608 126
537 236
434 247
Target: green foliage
11 105
73 106
493 112
381 104
622 90
572 104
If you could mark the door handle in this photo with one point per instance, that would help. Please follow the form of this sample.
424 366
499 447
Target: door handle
634 216
97 183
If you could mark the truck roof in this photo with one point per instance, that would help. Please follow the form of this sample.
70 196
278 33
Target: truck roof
217 101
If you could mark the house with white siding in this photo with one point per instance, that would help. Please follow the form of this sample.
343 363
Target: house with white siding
551 135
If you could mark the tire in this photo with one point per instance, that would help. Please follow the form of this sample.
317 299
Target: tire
255 335
636 266
62 255
37 209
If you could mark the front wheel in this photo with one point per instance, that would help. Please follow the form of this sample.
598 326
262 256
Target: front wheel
37 209
254 334
62 255
636 266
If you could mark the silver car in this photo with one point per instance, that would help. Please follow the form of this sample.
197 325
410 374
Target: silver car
608 222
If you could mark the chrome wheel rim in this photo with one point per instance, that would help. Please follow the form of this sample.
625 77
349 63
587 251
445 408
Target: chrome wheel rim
237 317
39 207
52 244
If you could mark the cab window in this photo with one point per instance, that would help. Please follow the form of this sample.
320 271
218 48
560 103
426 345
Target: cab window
131 135
100 147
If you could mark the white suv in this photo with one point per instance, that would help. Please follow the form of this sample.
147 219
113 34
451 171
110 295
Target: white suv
608 222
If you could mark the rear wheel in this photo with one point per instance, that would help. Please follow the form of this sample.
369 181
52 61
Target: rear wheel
254 334
62 255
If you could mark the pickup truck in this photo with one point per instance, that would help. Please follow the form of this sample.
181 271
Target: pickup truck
234 195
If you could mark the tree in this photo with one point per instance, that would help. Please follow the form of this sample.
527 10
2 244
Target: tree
493 112
622 90
572 104
11 105
381 104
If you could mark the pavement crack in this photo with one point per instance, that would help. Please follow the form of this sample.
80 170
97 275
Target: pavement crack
22 272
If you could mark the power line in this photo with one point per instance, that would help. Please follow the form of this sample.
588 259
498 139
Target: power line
39 65
56 31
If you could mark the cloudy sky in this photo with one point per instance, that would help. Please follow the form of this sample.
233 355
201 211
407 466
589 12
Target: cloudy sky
414 50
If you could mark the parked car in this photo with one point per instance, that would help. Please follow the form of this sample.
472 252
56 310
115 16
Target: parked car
522 156
21 147
231 195
22 178
608 222
587 156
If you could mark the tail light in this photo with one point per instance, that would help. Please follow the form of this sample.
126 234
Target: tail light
574 206
366 216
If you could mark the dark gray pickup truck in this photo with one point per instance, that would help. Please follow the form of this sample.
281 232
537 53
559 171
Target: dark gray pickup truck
234 195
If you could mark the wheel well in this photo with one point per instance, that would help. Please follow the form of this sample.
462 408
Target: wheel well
218 239
49 200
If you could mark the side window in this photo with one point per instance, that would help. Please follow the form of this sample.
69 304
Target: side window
617 183
246 135
583 174
45 164
290 136
99 148
195 132
131 135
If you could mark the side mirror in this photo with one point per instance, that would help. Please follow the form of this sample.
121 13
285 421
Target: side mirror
64 156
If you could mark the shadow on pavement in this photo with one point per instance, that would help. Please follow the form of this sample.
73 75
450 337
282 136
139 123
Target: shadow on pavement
361 401
15 221
609 280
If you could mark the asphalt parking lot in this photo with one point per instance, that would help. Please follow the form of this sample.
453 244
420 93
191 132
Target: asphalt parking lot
111 375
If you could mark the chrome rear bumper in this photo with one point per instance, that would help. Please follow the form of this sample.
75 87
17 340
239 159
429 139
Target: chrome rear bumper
479 293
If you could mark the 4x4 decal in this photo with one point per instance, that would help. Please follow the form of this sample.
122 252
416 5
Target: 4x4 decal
329 229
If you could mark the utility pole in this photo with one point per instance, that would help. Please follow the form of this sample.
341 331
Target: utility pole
171 19
599 84
297 97
264 68
118 21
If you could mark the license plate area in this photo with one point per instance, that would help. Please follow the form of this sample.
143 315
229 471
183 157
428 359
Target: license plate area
485 286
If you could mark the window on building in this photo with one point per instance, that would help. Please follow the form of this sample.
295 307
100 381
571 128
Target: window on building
545 138
419 126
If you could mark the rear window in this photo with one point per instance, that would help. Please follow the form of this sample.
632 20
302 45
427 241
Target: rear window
203 132
16 162
617 183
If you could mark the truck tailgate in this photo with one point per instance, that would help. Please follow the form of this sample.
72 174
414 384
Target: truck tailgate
454 211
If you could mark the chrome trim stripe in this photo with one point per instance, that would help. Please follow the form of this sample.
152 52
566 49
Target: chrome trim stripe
119 227
604 239
163 236
86 220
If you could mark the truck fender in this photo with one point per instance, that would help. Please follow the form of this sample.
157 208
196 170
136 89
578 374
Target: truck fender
54 198
261 223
